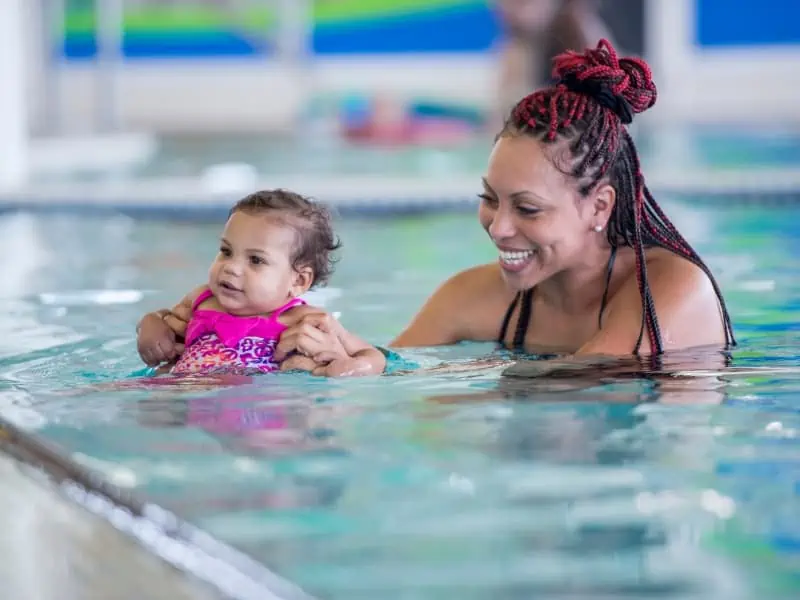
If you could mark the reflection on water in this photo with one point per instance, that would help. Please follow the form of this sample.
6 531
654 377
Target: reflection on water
622 480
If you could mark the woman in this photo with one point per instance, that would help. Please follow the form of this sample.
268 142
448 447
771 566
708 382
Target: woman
588 264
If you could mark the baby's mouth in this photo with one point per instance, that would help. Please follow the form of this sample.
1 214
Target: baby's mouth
229 287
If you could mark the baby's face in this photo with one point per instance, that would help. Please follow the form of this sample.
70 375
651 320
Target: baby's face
252 273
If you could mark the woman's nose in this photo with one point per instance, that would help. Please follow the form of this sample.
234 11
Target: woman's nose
502 226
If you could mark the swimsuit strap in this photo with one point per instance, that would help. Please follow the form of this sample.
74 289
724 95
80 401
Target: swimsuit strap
507 319
290 304
525 311
204 295
231 329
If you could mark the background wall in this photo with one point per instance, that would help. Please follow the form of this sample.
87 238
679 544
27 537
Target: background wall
726 60
184 64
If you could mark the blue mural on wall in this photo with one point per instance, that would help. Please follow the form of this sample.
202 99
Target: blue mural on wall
743 23
451 26
447 26
471 28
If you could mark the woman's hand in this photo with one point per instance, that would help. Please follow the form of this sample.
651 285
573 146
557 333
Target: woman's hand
156 340
158 335
158 332
318 343
312 341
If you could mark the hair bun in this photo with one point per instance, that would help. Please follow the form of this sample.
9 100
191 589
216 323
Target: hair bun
624 85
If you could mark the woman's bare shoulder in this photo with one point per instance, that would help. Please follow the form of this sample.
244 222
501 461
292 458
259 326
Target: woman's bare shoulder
477 285
466 307
664 264
686 304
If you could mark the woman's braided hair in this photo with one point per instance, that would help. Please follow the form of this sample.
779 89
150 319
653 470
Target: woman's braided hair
595 95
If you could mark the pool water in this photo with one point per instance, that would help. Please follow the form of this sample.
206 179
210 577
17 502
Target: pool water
430 484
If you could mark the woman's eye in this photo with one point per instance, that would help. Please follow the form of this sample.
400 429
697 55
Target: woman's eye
528 210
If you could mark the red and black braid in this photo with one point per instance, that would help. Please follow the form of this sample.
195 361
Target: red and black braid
596 95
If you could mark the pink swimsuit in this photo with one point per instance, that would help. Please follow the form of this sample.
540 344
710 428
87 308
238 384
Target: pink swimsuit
221 342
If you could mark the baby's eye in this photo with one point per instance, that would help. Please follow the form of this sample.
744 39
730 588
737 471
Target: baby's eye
225 251
257 260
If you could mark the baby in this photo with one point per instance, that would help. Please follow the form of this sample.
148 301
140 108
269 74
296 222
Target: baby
276 245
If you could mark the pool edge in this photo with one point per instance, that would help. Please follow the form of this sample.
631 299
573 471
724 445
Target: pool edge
192 198
199 557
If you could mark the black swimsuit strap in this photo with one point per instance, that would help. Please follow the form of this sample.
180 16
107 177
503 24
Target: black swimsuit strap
522 322
501 339
527 302
524 319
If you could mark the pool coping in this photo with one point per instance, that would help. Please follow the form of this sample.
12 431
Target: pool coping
192 551
371 195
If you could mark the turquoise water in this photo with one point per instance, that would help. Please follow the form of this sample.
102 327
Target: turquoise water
427 485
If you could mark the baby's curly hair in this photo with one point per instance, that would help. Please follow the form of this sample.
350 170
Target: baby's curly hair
315 240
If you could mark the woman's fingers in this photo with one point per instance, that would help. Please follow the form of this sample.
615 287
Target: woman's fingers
156 341
182 312
176 323
321 321
303 338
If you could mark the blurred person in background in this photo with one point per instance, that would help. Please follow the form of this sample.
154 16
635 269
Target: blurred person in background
535 31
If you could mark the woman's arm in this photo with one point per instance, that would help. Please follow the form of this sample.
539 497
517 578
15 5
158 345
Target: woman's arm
467 307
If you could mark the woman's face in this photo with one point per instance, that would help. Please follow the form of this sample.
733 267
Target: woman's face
534 214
